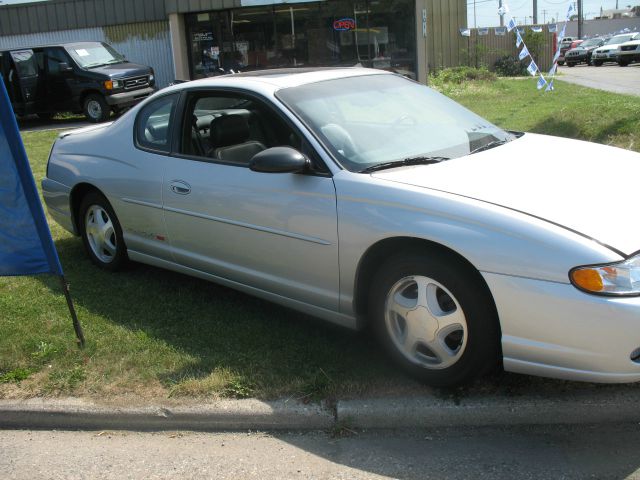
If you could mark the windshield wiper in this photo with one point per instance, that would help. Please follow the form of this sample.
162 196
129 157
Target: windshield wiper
403 163
494 143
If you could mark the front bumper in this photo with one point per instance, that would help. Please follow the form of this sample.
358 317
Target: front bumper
128 99
629 55
553 330
576 58
610 56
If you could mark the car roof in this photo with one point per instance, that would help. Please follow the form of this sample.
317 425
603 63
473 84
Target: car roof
276 79
62 44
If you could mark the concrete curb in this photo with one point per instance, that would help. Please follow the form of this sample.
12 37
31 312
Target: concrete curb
571 409
585 407
75 414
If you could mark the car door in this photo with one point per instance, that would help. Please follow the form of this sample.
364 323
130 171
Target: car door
273 232
59 77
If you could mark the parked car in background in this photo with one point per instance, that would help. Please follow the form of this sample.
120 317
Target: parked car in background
609 51
629 52
582 53
565 46
87 77
365 198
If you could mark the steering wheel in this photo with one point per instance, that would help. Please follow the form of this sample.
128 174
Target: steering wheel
340 139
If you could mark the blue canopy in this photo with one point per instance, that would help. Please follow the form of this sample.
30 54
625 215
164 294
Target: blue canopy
26 246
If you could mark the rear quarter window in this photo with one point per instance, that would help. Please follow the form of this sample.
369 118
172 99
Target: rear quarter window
154 124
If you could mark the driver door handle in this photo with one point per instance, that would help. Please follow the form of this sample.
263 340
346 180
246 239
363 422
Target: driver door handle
180 187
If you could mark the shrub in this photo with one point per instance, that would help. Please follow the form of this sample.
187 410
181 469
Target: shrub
510 66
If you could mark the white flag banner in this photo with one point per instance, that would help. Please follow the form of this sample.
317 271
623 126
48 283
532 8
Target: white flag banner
500 31
524 53
541 82
518 39
483 31
511 25
532 68
536 29
552 27
465 32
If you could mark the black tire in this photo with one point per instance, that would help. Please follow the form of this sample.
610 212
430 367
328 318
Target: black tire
95 108
106 247
571 64
623 63
597 63
478 348
560 62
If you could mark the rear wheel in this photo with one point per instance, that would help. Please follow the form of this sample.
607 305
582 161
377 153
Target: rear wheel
623 63
571 64
101 232
597 63
435 317
96 109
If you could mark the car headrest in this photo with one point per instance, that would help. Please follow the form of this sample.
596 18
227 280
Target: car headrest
228 130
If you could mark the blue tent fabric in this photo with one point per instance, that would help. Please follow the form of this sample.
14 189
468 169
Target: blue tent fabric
26 246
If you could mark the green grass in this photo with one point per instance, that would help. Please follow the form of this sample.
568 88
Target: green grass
569 111
156 334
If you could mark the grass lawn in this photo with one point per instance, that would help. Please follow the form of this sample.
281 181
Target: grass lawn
156 334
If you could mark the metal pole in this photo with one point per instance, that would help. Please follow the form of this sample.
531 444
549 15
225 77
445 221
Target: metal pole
579 18
76 324
501 16
535 12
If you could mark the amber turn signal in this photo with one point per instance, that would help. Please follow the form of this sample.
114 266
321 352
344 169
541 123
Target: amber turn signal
588 279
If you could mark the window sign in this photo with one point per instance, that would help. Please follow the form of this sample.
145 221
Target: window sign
82 52
344 24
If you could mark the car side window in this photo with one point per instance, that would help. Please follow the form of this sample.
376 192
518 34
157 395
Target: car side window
154 122
230 128
55 56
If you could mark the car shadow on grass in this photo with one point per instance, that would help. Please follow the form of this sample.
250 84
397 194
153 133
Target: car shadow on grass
200 339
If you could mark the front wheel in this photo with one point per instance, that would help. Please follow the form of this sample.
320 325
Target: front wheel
571 64
435 317
96 109
623 63
101 232
597 63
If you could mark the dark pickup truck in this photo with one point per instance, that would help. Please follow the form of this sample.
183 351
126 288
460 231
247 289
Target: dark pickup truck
87 77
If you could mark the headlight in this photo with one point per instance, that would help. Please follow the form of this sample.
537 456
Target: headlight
112 84
622 278
151 77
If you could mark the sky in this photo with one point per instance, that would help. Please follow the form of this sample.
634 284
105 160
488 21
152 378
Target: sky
487 10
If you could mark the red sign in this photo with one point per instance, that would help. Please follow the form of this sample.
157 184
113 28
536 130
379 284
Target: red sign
344 24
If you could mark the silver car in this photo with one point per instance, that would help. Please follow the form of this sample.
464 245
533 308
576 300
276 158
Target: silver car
365 198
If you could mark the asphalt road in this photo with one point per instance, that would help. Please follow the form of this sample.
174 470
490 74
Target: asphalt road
603 452
609 77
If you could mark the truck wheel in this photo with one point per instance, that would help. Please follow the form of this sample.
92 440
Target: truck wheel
623 63
96 109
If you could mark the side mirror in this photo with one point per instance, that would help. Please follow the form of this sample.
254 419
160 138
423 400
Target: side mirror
64 67
279 160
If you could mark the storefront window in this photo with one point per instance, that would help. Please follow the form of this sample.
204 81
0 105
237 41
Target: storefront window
374 33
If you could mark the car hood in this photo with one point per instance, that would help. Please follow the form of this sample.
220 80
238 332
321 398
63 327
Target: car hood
607 48
582 186
122 70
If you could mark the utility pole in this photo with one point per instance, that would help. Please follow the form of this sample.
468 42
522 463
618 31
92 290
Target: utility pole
535 12
579 18
544 16
501 16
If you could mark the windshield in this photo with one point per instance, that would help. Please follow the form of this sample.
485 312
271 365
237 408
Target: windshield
89 55
591 43
620 39
375 119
